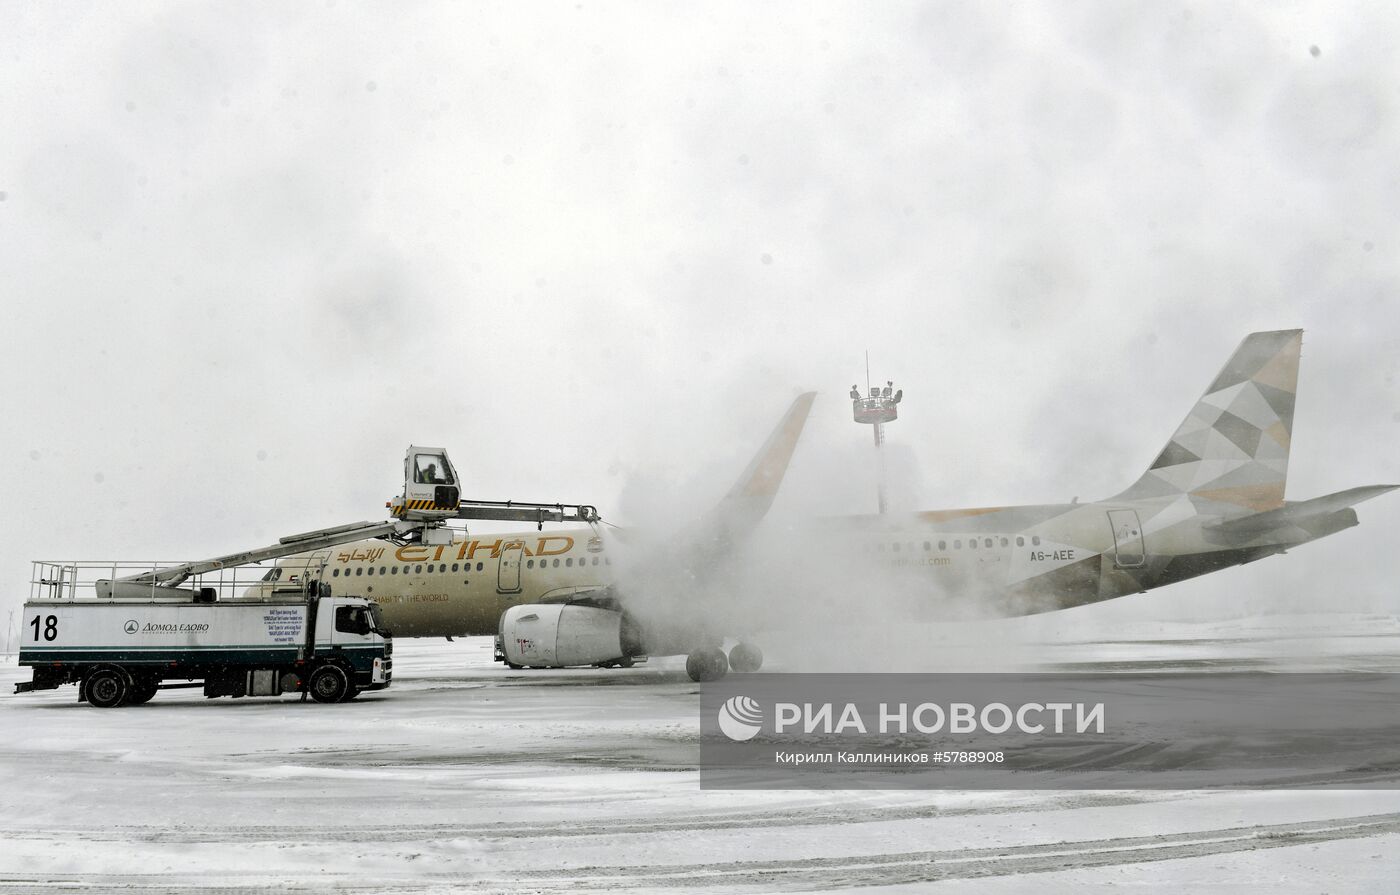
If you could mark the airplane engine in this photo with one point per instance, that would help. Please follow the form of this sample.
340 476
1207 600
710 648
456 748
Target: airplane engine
557 635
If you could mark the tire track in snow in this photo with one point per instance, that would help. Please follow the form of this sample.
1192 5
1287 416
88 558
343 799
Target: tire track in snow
780 875
797 817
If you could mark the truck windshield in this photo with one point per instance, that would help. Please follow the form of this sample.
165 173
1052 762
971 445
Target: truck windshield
378 618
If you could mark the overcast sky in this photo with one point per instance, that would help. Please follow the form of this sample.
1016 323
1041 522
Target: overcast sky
249 252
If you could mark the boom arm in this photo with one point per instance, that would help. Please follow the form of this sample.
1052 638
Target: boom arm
320 539
429 499
516 511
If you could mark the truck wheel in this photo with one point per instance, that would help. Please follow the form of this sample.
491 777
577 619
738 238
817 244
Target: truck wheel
107 688
142 692
329 683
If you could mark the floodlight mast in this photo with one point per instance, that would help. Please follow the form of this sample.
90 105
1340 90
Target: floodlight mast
877 407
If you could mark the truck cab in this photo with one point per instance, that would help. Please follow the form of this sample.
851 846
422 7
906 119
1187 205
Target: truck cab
352 629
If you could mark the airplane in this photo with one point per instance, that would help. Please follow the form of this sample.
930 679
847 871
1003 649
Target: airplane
1213 498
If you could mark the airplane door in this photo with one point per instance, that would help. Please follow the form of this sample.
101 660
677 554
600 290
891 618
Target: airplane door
1127 538
508 570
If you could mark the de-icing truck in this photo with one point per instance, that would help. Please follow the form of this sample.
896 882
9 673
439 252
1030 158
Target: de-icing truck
121 631
132 640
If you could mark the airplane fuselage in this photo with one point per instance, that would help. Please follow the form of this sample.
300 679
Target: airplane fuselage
1012 560
461 588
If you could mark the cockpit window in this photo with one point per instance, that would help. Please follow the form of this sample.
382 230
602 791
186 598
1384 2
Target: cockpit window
273 574
431 469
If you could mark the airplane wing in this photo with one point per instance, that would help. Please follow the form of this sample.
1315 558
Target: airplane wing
740 511
675 593
677 586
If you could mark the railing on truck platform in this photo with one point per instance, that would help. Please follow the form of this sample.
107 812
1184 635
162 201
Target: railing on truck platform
68 580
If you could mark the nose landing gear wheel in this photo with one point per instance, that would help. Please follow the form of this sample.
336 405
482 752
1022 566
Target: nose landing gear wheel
706 665
746 657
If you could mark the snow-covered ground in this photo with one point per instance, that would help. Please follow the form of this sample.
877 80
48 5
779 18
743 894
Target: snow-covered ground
467 776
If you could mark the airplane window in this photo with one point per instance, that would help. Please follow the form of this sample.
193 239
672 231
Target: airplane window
1020 541
1035 539
360 570
1005 542
393 570
556 564
942 545
972 543
529 563
895 548
454 567
957 545
480 566
335 573
569 561
986 542
417 570
595 560
927 546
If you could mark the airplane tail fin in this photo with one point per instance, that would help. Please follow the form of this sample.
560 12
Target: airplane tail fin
1232 448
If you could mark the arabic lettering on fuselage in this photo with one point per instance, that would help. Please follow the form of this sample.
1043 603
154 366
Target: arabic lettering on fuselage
369 554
